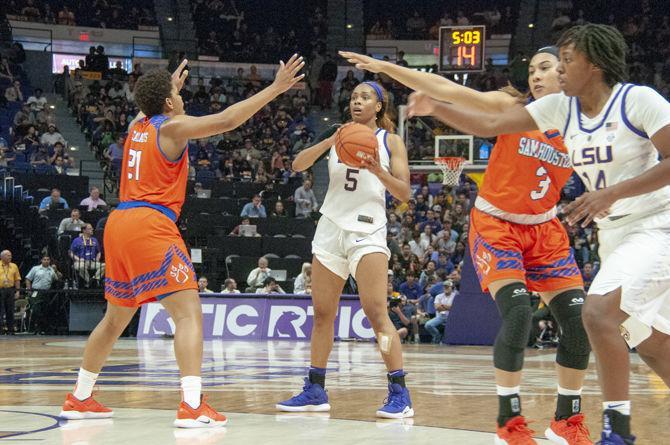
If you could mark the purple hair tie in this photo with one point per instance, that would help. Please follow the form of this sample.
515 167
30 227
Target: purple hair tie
378 89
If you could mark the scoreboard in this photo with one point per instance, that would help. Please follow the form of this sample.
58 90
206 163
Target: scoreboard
462 49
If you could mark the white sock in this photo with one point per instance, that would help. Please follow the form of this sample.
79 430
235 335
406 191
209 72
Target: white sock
191 385
507 391
620 406
85 382
569 392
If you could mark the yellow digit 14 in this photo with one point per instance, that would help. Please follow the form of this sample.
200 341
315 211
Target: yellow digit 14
464 53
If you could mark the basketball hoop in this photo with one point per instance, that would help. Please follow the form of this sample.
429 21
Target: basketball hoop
451 169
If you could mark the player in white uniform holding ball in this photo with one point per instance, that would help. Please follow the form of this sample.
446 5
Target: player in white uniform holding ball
614 133
351 240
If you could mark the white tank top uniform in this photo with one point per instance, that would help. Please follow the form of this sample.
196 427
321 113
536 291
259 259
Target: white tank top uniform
353 221
605 150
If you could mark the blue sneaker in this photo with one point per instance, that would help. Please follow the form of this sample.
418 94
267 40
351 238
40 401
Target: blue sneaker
397 405
312 398
610 438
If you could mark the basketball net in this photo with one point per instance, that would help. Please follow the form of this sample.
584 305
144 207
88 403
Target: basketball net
451 169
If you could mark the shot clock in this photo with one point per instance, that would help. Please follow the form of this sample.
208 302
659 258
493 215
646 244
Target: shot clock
462 48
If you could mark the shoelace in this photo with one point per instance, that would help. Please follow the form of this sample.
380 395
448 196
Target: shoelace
579 429
519 426
94 402
394 399
304 394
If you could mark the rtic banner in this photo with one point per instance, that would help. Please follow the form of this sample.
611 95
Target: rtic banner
243 317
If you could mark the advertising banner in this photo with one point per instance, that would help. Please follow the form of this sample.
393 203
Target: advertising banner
251 317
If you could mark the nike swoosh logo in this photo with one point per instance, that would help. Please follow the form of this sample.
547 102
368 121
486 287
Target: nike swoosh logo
359 240
615 406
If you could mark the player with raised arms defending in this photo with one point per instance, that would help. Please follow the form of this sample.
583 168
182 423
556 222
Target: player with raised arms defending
615 133
145 254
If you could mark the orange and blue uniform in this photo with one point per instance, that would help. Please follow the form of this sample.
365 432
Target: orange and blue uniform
514 231
146 258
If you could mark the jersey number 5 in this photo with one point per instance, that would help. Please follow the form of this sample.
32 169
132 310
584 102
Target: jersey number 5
134 162
352 180
544 184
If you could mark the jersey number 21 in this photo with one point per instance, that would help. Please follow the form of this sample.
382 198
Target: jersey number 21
134 163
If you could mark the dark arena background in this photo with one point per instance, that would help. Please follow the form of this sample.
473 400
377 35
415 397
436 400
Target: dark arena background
68 70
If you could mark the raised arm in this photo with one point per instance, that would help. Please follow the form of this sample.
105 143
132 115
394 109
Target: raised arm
469 120
176 131
435 86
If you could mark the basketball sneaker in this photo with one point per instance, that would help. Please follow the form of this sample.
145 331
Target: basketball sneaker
312 398
75 409
570 431
610 438
397 405
203 416
515 432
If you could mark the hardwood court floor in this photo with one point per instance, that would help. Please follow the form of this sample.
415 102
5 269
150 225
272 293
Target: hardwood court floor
452 390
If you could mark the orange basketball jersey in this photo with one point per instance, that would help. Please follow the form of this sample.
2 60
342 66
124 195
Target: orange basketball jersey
147 175
526 172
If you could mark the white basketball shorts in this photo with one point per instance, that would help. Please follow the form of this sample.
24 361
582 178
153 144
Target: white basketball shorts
340 251
636 257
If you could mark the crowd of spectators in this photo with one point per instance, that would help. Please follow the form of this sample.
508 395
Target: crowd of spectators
115 14
29 138
422 21
645 26
258 31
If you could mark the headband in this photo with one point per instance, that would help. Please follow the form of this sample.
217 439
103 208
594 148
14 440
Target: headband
375 86
549 50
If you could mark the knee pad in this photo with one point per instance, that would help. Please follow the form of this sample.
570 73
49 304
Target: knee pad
513 302
573 347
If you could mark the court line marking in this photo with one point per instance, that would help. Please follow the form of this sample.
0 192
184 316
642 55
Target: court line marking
22 433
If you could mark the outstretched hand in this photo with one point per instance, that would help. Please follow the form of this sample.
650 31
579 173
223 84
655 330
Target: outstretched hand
180 74
363 62
287 76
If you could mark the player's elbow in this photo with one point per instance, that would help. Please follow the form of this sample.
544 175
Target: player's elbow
299 164
405 193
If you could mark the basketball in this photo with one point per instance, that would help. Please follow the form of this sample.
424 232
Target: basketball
354 140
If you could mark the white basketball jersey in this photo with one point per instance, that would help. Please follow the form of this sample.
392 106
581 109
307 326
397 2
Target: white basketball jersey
356 199
613 146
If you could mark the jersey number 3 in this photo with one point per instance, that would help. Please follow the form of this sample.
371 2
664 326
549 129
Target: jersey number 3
543 185
134 163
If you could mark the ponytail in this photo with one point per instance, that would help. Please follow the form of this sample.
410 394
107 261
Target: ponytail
387 114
